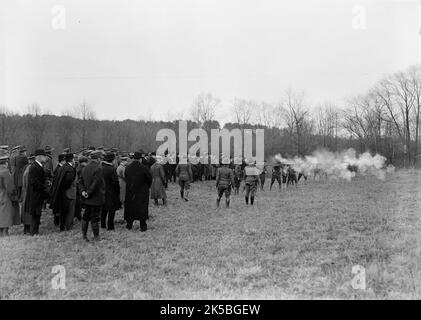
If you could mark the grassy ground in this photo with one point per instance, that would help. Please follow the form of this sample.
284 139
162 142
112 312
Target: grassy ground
300 243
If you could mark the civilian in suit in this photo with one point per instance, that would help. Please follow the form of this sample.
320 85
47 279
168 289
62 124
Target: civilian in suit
93 194
37 192
112 192
138 181
63 196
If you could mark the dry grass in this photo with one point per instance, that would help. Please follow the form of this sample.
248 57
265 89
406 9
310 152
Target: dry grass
300 243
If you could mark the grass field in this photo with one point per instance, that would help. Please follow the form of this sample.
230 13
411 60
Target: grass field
300 243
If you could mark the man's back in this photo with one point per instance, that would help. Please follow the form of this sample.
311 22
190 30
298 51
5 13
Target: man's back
93 184
184 171
224 176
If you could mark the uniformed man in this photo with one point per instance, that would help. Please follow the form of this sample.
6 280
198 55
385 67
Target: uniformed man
224 182
251 181
276 175
185 176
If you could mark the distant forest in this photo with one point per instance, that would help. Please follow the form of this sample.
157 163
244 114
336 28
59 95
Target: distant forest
383 120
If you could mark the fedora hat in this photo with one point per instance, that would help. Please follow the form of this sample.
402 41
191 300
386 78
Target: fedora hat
69 157
48 149
109 157
97 154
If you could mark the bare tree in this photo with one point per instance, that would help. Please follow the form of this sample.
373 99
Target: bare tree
244 111
8 127
396 97
415 83
265 114
327 123
35 124
365 119
296 118
204 108
86 114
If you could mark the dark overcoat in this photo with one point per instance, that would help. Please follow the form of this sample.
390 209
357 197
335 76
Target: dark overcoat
92 181
36 192
112 187
62 181
138 181
25 216
9 206
18 164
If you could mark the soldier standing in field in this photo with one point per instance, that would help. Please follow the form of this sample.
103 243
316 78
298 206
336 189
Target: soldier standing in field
251 182
276 175
262 176
159 182
237 178
224 182
185 176
17 165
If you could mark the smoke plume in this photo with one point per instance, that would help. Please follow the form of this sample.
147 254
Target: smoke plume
338 165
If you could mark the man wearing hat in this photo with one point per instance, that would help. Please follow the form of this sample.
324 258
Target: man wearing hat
185 176
63 195
276 175
37 192
25 215
121 179
9 205
159 181
224 183
49 167
112 192
61 158
138 181
251 181
17 164
61 161
83 162
93 194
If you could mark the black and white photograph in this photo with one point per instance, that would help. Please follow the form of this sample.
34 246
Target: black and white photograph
228 151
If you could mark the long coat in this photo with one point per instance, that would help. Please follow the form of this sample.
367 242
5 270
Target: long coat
92 182
138 181
122 181
49 173
18 164
36 192
25 216
64 187
112 187
158 182
9 206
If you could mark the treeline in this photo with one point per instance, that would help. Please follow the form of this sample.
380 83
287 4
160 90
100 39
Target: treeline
383 120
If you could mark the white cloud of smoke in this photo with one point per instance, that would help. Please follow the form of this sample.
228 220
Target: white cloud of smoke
339 165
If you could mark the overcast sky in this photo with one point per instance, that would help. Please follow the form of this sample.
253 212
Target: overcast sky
131 58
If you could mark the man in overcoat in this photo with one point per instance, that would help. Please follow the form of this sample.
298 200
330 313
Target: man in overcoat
112 192
138 181
36 192
93 194
17 165
63 196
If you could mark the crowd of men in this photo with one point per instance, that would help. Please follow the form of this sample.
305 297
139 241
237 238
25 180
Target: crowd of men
96 182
